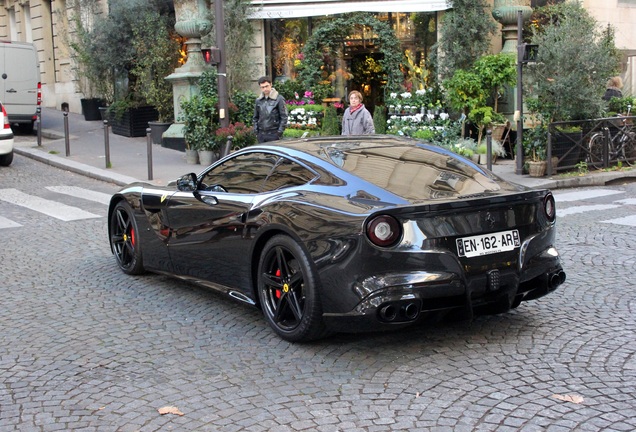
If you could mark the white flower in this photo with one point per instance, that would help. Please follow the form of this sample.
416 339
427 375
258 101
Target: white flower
406 95
393 95
421 92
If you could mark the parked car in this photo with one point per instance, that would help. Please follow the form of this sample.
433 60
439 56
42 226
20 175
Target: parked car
6 139
349 234
20 86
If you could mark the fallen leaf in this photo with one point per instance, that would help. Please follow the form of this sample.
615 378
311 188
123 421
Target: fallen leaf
170 410
569 398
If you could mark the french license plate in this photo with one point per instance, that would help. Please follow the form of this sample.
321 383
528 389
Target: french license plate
487 244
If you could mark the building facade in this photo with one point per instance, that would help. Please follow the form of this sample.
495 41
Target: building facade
46 23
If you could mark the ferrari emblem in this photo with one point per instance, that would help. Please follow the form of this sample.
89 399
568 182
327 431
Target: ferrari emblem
285 288
163 197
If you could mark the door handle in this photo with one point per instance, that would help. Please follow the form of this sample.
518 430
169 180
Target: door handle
209 200
12 91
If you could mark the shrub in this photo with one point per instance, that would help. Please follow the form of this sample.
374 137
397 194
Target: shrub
573 63
379 119
331 123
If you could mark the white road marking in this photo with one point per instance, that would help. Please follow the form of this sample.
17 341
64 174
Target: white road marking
584 194
48 207
584 208
628 201
627 220
79 192
8 223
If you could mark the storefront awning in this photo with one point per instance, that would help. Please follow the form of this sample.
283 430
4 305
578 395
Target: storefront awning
269 9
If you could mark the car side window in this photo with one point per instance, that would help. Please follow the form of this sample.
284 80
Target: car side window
287 174
243 174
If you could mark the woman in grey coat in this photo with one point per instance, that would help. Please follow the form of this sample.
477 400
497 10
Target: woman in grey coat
357 119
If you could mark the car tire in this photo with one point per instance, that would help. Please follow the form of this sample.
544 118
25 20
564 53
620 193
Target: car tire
6 159
287 289
124 239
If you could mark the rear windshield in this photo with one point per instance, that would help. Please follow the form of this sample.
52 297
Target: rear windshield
414 172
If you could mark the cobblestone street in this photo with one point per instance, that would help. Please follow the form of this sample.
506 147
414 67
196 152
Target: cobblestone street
84 347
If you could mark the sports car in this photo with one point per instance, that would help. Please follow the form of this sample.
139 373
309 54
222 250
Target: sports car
344 234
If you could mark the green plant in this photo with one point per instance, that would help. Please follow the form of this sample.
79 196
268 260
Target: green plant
299 133
582 168
92 76
331 124
379 119
534 143
242 135
199 112
620 105
153 37
244 103
327 39
465 34
573 63
475 91
113 48
239 36
423 134
494 72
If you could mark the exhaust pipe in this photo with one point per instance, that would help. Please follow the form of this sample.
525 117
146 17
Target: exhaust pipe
556 279
388 313
410 311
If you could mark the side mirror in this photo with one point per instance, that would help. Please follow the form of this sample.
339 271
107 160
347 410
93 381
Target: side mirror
187 183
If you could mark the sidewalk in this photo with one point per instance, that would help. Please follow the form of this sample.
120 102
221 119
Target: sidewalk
129 157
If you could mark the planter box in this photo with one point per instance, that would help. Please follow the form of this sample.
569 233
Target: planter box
564 146
134 122
90 108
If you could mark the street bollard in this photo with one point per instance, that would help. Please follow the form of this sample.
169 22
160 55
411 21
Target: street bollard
106 144
227 147
489 149
39 129
67 144
149 147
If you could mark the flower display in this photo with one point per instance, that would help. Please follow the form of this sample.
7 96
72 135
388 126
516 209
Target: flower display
301 118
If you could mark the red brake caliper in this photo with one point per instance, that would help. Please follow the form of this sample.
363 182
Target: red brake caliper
132 237
278 293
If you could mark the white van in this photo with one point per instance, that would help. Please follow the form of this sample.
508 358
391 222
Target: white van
20 86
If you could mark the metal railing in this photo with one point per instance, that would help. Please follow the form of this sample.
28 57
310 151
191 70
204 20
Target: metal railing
569 142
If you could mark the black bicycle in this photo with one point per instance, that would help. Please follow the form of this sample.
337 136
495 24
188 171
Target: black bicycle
621 145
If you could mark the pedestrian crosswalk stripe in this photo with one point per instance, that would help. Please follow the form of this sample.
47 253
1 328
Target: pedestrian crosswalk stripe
79 192
584 208
7 223
584 194
627 220
51 208
628 201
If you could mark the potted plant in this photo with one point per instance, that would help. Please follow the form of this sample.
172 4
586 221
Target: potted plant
118 45
475 91
199 119
567 81
154 37
534 146
242 136
92 77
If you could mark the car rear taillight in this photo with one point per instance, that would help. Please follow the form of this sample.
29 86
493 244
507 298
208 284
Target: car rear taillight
6 119
549 206
384 230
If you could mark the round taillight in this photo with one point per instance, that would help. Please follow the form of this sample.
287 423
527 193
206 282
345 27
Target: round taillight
549 207
384 230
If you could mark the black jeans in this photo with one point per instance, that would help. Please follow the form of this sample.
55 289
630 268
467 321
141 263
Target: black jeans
268 136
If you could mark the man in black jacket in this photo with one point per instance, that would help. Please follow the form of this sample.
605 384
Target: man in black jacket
270 113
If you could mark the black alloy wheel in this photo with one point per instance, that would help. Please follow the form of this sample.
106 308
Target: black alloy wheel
124 239
287 291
